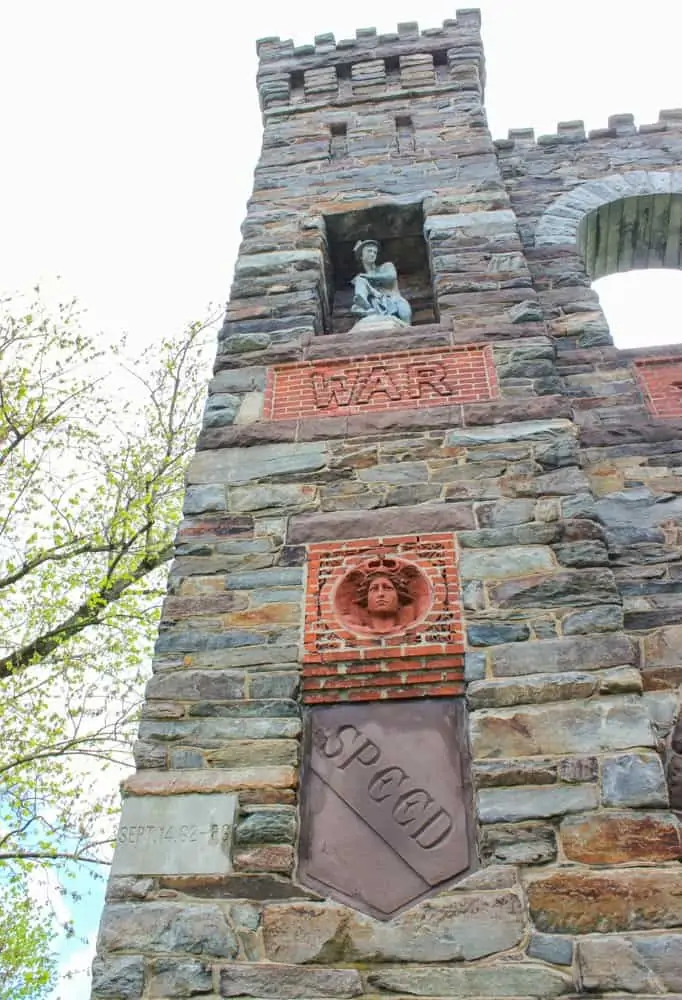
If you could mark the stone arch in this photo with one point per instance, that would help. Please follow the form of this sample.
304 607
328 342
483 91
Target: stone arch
621 222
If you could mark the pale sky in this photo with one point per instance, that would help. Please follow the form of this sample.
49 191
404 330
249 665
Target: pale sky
131 128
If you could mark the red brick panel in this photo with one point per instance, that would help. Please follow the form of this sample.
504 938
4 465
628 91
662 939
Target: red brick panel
661 382
346 661
407 379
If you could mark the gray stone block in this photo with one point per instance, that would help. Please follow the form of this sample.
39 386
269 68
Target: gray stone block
634 779
118 978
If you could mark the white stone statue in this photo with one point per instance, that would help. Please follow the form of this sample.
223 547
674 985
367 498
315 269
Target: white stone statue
376 287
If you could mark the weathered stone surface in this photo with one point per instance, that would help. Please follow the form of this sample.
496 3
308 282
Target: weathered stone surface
494 633
519 844
622 837
242 886
590 652
531 690
448 928
577 727
529 430
179 979
287 982
509 805
552 948
662 953
167 927
612 963
634 779
119 978
183 782
258 498
388 521
196 685
568 587
492 774
579 902
663 647
252 753
500 980
502 562
235 466
267 826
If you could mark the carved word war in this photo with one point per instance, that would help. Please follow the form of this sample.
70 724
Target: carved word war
425 378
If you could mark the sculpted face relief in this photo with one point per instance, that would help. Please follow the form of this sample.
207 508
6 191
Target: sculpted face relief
382 596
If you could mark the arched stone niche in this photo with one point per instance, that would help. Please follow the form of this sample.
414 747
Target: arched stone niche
619 223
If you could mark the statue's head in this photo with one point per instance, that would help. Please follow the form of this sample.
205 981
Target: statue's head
383 586
366 252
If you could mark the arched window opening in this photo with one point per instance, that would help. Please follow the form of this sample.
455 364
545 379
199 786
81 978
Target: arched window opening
632 248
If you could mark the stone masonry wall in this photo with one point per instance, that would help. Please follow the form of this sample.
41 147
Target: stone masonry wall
560 492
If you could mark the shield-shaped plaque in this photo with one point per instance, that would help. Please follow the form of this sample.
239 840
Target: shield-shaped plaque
385 802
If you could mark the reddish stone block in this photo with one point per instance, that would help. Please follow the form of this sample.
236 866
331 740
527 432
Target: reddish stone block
621 838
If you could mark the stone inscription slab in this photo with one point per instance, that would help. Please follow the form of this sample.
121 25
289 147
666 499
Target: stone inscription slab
175 835
385 802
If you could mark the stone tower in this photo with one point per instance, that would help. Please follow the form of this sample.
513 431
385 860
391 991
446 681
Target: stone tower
411 729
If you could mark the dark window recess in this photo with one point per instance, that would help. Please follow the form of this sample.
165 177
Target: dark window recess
404 134
338 141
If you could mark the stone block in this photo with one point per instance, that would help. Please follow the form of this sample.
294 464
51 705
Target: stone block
118 978
509 805
589 652
179 979
183 833
662 953
537 689
287 982
498 563
205 782
237 466
196 685
504 979
519 844
634 779
571 901
267 826
611 963
257 498
552 948
577 727
167 927
494 633
567 587
457 927
618 837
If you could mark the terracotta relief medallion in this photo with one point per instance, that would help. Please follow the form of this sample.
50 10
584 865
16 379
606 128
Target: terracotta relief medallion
382 595
385 802
369 598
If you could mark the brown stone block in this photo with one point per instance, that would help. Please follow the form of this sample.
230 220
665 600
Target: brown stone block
460 926
621 837
579 902
183 782
255 887
243 435
287 982
273 858
246 753
268 614
525 408
386 522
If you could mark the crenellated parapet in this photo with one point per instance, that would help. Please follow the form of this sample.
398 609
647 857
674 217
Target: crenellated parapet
371 65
